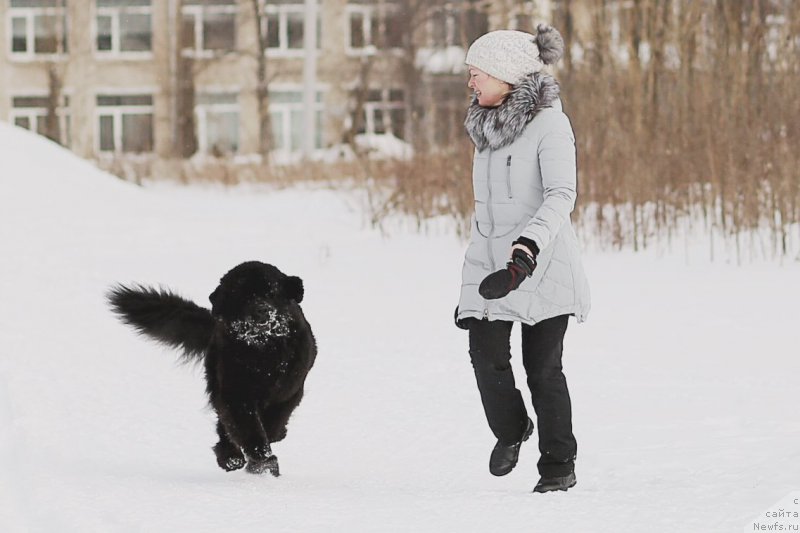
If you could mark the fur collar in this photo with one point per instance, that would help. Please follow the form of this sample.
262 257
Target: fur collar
496 127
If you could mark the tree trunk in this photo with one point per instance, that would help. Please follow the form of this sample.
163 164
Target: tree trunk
262 83
54 85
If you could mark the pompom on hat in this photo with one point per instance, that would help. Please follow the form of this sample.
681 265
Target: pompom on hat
511 55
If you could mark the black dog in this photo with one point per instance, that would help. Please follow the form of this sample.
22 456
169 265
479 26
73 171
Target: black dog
257 347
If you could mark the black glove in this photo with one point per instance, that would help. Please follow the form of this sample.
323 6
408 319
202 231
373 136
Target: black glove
521 266
461 324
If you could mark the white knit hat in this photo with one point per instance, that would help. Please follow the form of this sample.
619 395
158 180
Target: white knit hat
510 55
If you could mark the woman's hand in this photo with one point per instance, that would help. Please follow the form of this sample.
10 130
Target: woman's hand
522 264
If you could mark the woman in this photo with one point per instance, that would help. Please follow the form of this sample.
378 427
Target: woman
523 262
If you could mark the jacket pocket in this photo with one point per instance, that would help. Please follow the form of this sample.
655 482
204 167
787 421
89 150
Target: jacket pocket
484 234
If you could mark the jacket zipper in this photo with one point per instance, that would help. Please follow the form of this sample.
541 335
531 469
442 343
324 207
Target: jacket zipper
508 176
491 212
491 227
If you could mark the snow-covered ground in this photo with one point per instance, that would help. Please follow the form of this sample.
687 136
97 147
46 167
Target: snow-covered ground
685 379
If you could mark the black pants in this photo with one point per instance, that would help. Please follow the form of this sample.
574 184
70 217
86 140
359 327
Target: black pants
542 345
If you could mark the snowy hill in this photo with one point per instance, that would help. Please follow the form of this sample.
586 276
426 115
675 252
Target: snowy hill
684 378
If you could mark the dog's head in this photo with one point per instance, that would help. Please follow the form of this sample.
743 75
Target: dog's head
251 281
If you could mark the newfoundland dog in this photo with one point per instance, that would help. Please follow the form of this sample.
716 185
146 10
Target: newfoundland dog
256 345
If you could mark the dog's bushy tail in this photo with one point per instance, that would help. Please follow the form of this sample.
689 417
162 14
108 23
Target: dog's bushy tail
165 317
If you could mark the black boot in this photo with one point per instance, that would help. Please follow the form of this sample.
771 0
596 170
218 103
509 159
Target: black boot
504 457
547 484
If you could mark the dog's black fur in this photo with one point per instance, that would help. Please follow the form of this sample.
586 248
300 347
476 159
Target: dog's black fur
256 345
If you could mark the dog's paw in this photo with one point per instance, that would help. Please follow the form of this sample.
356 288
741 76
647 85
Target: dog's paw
231 463
262 466
229 458
278 436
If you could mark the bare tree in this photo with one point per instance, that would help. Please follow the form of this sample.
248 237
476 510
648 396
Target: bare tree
358 98
55 77
188 66
412 15
262 82
55 67
184 85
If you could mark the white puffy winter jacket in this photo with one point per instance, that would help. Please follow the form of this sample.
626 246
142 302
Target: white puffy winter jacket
526 188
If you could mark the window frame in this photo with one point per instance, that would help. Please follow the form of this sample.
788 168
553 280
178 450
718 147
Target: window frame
29 14
370 14
198 39
385 105
115 12
285 109
34 113
452 22
202 110
283 11
116 112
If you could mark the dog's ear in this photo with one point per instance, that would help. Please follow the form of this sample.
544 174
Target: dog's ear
293 288
214 296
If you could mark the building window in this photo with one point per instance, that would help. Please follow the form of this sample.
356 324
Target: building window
31 113
217 119
372 27
38 27
286 114
444 27
209 26
124 26
384 112
125 123
285 28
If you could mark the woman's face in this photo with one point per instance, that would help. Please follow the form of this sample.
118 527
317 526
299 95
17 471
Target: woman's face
490 91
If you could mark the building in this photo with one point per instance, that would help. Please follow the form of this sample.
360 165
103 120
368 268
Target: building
170 77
